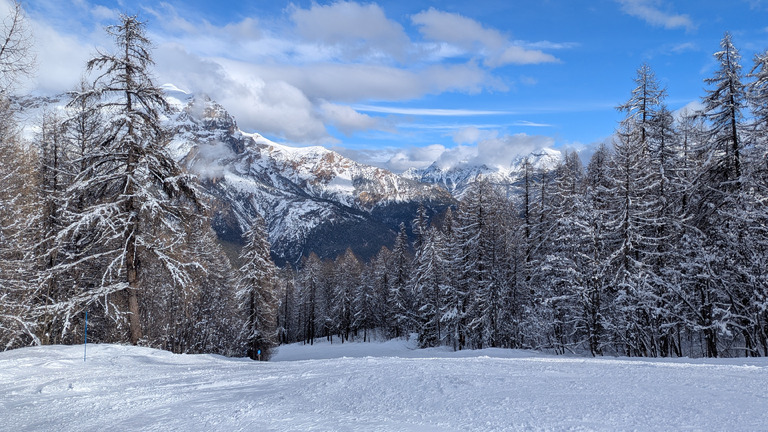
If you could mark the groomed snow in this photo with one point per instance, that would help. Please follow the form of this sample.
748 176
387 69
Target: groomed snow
373 386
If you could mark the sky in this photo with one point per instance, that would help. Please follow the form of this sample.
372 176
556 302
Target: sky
401 84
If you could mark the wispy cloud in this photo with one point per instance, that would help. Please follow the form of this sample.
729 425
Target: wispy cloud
440 112
526 123
650 12
472 37
348 120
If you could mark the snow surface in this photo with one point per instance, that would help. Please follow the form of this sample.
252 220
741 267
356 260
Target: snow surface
373 386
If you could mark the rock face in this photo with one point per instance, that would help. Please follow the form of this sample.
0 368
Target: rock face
311 198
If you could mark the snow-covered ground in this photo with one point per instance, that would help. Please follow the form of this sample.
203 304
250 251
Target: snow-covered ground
373 386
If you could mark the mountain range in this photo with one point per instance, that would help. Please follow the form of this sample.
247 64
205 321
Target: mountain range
312 199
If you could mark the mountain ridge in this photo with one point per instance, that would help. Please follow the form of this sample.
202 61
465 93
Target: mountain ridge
312 199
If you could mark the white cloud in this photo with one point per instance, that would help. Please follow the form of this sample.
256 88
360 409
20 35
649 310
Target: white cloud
275 107
348 121
363 30
253 93
267 106
648 10
491 150
472 37
457 30
61 59
519 55
345 82
502 151
494 151
103 13
472 134
683 47
415 157
208 162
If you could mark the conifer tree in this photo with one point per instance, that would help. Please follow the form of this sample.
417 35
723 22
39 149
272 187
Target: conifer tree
720 206
429 280
309 297
347 284
400 298
129 205
19 207
256 293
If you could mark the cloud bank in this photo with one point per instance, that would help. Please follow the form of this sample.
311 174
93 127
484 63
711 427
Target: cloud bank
300 76
475 147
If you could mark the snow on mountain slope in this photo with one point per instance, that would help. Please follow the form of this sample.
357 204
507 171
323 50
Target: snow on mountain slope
311 198
139 389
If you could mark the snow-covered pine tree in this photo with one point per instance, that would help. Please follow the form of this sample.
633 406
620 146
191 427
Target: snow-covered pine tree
629 219
256 293
490 298
596 294
429 282
723 107
757 190
541 220
19 214
347 285
19 208
308 287
643 106
667 188
419 225
380 285
757 97
721 202
213 320
571 273
329 325
129 205
454 309
54 178
641 219
366 303
287 307
474 264
400 298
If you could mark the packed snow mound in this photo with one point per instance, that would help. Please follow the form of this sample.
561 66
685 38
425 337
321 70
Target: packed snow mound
399 389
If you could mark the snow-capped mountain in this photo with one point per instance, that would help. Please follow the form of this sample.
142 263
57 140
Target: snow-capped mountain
457 178
312 199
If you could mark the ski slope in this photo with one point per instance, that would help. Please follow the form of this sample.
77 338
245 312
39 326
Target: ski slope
373 386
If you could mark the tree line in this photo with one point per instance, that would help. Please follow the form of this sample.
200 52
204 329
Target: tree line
658 247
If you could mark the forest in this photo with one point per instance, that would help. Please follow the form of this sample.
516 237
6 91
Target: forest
657 247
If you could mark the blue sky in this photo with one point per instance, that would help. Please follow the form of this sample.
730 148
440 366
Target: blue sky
404 83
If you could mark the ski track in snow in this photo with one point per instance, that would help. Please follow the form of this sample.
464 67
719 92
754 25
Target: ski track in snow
374 387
